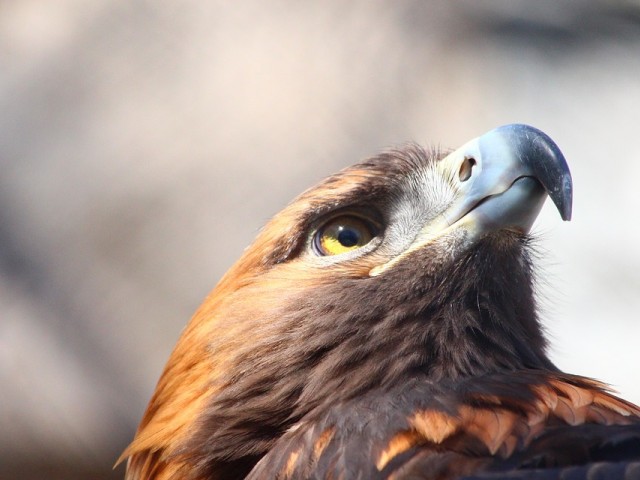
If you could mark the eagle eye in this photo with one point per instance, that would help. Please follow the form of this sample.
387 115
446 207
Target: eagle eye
342 234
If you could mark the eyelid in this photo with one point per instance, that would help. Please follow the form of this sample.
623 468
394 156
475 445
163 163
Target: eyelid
366 214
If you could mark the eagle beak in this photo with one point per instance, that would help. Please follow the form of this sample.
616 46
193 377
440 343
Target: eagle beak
504 177
502 180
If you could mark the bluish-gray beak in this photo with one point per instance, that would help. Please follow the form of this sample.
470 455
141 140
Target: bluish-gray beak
505 176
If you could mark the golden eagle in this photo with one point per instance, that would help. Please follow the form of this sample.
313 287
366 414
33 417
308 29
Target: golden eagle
384 326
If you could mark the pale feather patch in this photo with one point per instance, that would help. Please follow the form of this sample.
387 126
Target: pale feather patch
322 442
434 426
579 396
290 468
492 427
400 443
547 396
612 403
569 413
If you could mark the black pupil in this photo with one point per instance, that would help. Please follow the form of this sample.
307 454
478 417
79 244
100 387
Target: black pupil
348 237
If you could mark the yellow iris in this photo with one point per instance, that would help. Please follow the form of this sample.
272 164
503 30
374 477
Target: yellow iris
343 234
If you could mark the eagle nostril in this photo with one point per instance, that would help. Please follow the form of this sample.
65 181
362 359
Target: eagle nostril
466 168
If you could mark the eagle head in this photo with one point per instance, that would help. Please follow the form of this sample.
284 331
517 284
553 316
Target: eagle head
413 265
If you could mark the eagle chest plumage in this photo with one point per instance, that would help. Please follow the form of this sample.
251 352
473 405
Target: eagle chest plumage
384 325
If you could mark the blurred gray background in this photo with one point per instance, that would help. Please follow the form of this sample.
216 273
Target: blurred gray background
143 144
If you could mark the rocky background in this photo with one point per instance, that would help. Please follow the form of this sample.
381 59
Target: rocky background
144 143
